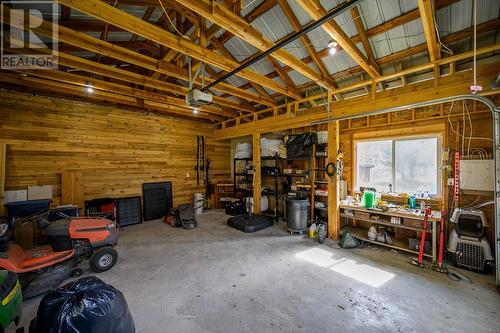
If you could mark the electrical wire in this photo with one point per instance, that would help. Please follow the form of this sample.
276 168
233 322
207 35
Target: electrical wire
470 127
171 23
444 47
455 132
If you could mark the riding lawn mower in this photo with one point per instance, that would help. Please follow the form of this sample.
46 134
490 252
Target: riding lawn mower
69 241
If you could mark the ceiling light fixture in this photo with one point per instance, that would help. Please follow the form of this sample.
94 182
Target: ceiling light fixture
90 87
195 110
333 47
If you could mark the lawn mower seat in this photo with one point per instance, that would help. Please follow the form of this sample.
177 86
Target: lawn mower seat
185 217
57 233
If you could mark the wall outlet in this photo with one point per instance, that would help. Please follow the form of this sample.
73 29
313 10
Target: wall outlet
450 181
187 175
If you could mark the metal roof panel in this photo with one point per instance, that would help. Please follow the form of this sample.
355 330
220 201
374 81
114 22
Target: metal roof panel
273 24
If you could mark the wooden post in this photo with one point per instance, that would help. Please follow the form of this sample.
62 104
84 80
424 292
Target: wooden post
313 182
257 191
333 183
3 160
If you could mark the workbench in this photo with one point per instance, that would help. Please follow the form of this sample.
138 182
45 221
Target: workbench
409 221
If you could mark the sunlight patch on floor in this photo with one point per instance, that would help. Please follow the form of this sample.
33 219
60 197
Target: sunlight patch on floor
366 274
318 257
363 273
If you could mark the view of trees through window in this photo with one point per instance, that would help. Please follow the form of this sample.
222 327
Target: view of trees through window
374 164
409 165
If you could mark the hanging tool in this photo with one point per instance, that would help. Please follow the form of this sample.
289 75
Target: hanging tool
420 261
208 185
439 266
197 160
203 161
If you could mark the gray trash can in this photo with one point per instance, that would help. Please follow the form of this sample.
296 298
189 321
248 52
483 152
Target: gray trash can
297 213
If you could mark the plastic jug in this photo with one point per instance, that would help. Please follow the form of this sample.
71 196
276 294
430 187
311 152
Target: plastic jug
313 230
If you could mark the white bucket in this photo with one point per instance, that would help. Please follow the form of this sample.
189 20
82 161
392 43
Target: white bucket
199 199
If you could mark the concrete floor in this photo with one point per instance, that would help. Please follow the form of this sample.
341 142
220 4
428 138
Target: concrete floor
217 279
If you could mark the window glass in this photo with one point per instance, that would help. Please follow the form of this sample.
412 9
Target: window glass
413 169
416 165
374 164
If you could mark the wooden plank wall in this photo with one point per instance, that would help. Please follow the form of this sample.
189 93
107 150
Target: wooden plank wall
117 150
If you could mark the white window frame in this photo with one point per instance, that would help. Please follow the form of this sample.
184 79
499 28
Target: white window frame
393 140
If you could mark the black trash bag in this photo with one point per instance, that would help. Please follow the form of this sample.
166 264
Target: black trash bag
85 305
300 145
348 241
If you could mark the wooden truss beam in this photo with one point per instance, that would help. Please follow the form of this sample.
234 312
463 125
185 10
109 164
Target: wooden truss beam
135 25
94 68
439 87
384 27
242 29
316 11
255 13
93 44
294 21
221 48
364 38
43 85
427 15
398 56
82 81
150 48
282 74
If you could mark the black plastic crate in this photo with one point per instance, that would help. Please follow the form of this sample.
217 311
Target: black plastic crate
128 211
157 199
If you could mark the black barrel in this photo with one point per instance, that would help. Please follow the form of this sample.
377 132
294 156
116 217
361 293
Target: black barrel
297 213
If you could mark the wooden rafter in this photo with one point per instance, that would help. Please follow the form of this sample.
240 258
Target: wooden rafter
43 85
448 85
316 11
122 75
379 29
402 19
221 48
131 77
93 25
364 37
149 48
282 74
427 15
226 35
294 21
398 56
242 29
105 48
260 9
133 24
120 89
147 15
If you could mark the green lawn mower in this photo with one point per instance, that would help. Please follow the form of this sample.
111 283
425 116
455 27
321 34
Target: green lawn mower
11 301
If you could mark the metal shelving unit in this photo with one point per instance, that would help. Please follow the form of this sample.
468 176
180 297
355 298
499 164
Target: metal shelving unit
275 176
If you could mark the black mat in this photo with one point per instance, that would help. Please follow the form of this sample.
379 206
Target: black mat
249 224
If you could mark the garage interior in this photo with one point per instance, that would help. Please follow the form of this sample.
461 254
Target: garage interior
253 165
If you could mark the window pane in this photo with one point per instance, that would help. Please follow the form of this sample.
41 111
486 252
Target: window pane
417 165
374 164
